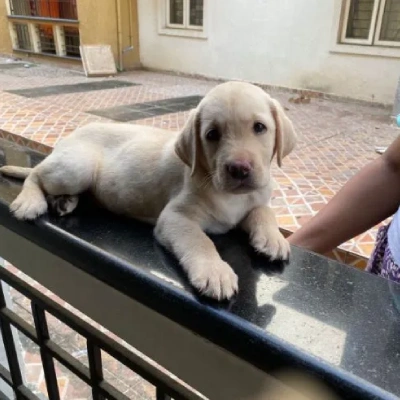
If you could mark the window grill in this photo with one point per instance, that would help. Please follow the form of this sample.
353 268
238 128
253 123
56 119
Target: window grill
23 38
47 42
167 387
72 41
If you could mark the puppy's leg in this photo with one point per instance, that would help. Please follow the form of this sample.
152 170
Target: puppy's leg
264 233
197 254
68 172
31 202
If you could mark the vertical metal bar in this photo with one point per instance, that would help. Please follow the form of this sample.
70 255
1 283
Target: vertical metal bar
96 369
161 395
35 8
9 346
42 332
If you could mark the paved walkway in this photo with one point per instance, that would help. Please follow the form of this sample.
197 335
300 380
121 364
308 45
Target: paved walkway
336 139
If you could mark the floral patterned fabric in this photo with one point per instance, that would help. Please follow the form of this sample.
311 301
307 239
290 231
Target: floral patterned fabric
381 261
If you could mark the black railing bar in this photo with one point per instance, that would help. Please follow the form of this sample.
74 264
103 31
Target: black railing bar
75 366
22 392
110 392
161 395
23 326
3 396
30 333
5 375
57 353
9 345
43 335
32 18
82 372
61 313
95 367
149 372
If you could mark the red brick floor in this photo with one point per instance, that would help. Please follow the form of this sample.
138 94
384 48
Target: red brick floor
335 140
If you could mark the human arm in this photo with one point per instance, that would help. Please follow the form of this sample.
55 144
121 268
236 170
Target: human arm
368 198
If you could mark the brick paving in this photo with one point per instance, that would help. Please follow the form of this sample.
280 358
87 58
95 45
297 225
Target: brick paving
336 138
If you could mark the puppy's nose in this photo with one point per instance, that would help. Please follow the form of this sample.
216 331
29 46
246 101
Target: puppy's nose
239 169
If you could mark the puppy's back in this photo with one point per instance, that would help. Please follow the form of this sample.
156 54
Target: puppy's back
111 135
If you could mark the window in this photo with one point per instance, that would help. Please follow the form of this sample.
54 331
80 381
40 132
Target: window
22 36
72 41
186 14
47 41
48 27
371 22
59 9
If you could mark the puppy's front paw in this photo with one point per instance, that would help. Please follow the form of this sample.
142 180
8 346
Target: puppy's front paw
25 208
273 244
214 279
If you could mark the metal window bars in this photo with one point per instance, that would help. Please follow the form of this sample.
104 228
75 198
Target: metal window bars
23 38
167 387
72 41
47 41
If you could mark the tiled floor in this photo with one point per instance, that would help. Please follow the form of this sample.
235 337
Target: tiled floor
335 140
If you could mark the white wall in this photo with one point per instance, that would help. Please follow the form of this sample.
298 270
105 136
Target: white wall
276 42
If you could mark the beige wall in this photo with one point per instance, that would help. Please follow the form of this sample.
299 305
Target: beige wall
112 22
5 40
285 43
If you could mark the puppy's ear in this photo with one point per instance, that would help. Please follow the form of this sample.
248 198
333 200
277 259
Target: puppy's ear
188 146
286 138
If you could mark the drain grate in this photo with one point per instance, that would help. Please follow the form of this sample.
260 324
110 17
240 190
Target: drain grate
75 88
133 112
11 66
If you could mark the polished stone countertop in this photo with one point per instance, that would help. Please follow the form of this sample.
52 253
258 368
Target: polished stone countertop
332 319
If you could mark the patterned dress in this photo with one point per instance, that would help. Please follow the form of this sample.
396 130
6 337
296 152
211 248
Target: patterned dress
381 261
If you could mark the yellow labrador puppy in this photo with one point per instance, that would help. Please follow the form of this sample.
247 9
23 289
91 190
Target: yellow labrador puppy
211 177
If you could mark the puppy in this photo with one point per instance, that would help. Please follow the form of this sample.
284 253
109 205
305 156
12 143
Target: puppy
211 177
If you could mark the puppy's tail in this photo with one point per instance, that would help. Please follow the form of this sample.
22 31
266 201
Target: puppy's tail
15 172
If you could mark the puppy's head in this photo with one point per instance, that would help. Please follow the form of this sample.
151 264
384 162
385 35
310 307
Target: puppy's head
232 136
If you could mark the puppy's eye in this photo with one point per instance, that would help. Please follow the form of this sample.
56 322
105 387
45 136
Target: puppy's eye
213 135
259 128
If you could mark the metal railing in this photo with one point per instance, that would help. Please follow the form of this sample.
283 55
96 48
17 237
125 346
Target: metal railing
54 9
166 386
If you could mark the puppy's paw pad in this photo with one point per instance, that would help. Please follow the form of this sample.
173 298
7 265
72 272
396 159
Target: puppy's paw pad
217 281
273 245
